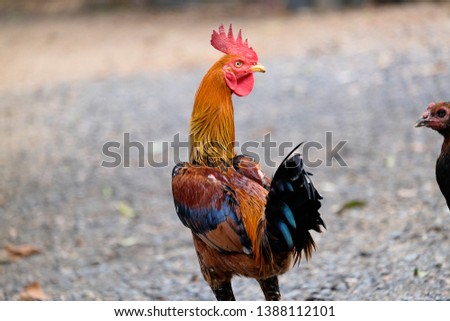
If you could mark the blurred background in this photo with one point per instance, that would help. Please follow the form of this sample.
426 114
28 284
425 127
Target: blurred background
77 74
53 6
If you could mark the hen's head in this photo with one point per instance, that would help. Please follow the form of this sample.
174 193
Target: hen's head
239 63
437 117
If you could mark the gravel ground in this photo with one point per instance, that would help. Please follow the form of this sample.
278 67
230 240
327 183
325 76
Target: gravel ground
113 234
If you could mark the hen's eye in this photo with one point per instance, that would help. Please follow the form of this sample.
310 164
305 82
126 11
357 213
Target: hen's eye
238 64
441 113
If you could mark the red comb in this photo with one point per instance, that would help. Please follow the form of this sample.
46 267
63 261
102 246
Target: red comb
228 45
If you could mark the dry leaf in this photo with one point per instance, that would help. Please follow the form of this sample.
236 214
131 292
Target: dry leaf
125 210
107 192
5 257
390 161
20 251
32 292
351 204
129 241
419 273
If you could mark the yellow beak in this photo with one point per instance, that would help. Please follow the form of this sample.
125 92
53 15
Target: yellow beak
258 68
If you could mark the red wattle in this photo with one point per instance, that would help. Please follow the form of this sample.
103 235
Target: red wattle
244 85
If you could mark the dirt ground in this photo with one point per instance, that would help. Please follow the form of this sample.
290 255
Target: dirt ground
71 83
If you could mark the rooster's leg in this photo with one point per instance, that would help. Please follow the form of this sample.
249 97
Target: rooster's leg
224 292
270 288
219 281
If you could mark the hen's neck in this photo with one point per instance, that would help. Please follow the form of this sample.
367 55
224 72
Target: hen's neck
446 144
212 122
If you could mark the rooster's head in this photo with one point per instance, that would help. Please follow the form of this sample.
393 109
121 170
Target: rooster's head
239 63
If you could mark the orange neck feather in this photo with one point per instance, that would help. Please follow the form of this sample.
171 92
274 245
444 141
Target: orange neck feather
212 121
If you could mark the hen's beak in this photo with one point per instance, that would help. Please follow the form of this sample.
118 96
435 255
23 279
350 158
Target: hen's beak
257 68
422 122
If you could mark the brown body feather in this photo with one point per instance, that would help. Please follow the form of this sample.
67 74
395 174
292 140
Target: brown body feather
205 187
220 251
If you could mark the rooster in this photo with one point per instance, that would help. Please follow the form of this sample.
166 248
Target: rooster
437 117
242 222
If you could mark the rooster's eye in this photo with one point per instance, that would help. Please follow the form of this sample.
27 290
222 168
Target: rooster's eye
238 64
441 113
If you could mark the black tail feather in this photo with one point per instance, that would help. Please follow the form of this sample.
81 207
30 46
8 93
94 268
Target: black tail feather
292 209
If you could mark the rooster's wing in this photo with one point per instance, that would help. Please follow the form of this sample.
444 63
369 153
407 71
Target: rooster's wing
206 203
